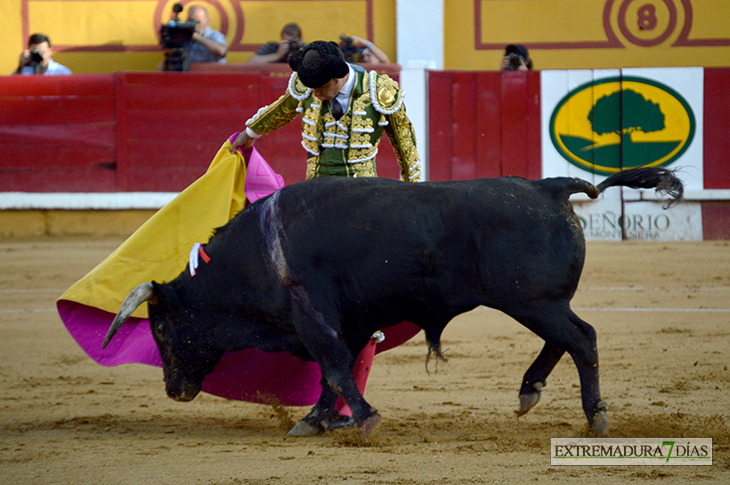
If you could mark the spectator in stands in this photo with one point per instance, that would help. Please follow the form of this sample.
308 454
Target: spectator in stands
207 45
37 58
516 58
362 51
291 41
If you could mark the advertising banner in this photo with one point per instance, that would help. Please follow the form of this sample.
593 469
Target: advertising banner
599 122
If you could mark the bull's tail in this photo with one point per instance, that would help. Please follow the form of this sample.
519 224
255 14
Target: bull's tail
661 179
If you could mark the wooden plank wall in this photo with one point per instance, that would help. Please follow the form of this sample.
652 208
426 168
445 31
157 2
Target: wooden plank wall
172 124
484 124
138 132
716 128
57 132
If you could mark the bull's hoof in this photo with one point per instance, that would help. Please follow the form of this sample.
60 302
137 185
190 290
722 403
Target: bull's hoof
599 426
341 421
369 424
303 428
528 401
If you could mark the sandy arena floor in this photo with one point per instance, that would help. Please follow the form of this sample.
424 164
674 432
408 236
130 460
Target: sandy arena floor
661 310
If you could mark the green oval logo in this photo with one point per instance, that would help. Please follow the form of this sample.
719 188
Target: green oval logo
618 123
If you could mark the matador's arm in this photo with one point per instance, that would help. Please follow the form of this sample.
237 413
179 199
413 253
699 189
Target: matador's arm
272 117
387 98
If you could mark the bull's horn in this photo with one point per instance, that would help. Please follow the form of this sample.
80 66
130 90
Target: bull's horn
135 298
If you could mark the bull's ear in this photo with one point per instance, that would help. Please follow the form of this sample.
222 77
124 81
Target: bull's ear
154 298
135 298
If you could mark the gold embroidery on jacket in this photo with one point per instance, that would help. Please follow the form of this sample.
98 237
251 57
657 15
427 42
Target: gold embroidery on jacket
274 116
363 170
312 127
311 167
389 96
363 139
404 145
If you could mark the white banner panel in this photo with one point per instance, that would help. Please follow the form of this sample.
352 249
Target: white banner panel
556 88
644 221
599 122
688 83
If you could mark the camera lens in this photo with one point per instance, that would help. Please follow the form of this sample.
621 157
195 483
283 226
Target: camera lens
36 57
515 61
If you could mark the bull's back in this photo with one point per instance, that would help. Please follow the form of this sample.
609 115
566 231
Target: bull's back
373 239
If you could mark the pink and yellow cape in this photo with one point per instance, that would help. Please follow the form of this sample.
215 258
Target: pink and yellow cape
159 250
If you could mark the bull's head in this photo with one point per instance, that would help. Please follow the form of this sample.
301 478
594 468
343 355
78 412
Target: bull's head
186 358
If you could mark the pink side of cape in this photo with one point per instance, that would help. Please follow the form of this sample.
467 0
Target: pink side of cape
261 180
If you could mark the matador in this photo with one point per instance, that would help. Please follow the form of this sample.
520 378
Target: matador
345 111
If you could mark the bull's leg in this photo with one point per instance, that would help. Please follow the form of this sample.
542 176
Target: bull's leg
556 323
320 416
585 356
536 376
341 380
366 417
336 362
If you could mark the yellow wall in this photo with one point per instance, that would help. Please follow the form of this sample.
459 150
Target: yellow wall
112 35
98 36
34 223
558 31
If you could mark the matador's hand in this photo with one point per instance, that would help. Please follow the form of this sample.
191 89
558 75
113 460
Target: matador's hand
242 140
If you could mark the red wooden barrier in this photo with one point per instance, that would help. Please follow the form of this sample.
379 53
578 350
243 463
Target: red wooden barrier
170 125
141 131
484 124
716 126
57 133
715 220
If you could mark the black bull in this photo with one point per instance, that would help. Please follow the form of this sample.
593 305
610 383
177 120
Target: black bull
316 268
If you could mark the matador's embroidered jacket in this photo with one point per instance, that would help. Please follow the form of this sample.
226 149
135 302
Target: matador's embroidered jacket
348 146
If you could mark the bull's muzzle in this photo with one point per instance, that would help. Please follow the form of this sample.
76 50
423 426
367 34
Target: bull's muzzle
184 393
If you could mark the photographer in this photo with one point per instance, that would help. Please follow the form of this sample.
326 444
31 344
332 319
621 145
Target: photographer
207 45
291 41
362 51
37 58
516 58
190 41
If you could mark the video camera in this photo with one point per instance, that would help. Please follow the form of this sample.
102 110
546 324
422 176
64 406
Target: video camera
353 53
174 35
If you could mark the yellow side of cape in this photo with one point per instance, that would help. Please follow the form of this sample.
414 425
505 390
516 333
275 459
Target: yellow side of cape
160 248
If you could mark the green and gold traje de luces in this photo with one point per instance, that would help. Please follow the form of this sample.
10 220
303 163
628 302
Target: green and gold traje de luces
348 146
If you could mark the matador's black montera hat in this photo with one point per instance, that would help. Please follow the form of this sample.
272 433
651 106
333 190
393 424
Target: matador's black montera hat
318 63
